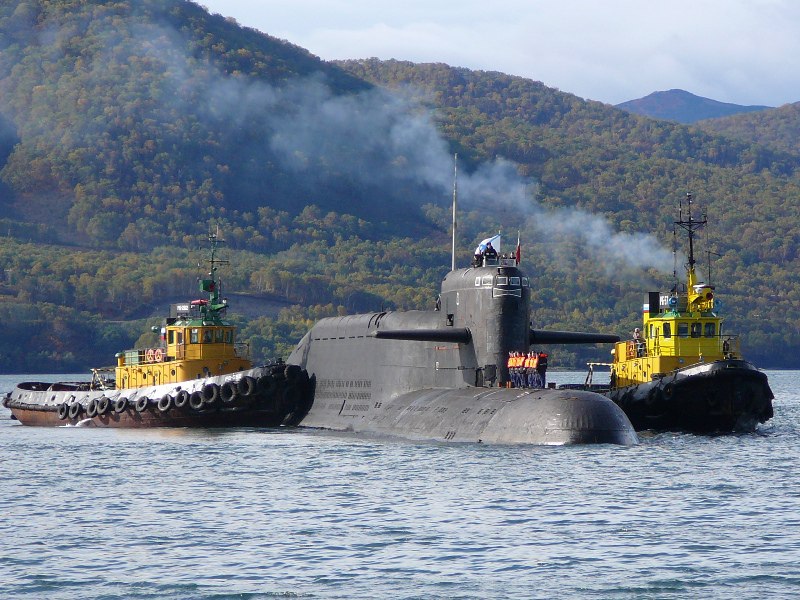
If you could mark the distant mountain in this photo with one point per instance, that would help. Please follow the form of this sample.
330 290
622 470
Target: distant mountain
683 107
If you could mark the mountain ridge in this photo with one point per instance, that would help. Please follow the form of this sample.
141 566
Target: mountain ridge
684 107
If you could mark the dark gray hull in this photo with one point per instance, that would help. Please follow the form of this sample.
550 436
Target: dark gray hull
718 397
486 415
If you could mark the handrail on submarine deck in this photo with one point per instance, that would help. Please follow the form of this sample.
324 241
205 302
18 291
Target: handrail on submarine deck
500 261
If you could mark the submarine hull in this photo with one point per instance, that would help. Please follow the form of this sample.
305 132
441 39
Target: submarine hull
484 415
441 374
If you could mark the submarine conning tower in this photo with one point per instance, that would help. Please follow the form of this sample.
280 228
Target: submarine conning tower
492 301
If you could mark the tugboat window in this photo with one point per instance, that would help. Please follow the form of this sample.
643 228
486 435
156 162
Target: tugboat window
219 337
502 281
696 329
477 281
667 330
487 280
710 330
515 281
207 336
525 282
180 337
683 330
194 336
170 337
229 336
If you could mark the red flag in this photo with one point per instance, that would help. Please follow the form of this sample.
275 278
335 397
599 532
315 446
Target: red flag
519 254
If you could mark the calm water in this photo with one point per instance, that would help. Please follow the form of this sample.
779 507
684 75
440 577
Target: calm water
250 514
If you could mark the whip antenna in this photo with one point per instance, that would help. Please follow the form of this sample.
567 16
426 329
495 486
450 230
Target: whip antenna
455 195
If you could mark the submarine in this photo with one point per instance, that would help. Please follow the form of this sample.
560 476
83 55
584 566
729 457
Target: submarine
441 374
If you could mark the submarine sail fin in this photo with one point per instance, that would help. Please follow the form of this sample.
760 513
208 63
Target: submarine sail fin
451 334
539 336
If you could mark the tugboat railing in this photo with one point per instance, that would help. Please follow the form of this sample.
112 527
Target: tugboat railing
728 346
154 355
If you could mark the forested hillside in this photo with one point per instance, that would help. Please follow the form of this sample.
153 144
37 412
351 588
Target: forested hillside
778 128
129 129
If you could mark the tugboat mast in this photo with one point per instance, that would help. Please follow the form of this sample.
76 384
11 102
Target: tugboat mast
690 225
211 285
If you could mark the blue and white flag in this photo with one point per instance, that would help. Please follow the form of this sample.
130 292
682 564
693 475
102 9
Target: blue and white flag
495 241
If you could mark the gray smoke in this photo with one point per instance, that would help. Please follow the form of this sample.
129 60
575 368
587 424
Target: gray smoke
381 140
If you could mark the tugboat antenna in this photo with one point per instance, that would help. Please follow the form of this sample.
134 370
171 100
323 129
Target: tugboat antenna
690 225
211 285
455 195
675 255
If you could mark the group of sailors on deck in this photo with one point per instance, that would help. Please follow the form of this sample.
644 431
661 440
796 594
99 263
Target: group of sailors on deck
527 370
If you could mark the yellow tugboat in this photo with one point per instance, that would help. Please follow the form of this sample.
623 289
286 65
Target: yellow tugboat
198 376
681 372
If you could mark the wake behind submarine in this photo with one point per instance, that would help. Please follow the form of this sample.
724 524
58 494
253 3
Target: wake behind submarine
435 375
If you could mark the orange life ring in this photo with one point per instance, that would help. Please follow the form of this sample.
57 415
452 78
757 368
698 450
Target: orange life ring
149 355
158 355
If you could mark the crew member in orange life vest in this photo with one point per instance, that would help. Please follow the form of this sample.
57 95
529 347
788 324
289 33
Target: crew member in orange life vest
530 369
515 377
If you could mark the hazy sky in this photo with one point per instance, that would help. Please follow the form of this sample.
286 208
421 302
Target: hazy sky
740 51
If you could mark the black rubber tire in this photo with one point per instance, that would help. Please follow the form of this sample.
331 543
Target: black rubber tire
165 403
103 404
121 405
91 408
247 386
210 393
228 392
142 404
182 399
63 411
196 400
75 410
292 372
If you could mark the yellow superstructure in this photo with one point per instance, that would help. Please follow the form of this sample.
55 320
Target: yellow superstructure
196 342
680 328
